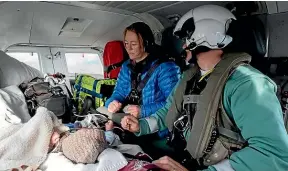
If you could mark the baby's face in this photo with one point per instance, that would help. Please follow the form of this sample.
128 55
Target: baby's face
55 137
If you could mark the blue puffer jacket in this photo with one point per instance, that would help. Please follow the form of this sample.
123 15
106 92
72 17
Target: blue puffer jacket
156 91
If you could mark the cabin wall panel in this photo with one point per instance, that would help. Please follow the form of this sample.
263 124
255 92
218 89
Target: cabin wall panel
278 34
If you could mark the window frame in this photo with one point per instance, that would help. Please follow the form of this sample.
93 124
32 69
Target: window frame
73 75
27 51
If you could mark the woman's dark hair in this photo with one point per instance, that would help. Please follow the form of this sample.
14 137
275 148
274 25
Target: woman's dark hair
143 30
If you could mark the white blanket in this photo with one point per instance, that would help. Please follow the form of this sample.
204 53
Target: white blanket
26 144
24 141
108 160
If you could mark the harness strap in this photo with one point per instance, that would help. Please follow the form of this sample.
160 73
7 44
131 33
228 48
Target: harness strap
109 68
188 99
231 134
148 75
136 90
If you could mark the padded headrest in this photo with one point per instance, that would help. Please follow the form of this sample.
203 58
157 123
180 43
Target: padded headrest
248 36
14 72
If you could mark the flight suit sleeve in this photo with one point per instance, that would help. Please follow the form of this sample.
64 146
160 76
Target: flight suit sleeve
160 116
257 113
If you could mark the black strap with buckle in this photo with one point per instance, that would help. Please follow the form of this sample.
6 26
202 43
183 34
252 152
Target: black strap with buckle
137 85
176 139
113 66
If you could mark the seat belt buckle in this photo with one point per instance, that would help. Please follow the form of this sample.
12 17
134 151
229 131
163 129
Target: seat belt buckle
181 124
113 67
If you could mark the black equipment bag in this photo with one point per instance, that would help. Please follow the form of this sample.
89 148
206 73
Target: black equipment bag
39 93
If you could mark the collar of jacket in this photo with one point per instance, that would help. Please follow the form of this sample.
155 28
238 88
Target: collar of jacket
142 66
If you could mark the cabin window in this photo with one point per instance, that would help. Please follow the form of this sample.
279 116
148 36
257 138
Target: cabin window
29 58
84 63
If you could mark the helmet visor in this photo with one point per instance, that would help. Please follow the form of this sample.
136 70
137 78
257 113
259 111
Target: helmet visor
186 30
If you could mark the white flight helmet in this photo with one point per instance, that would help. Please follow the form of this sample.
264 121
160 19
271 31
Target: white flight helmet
205 26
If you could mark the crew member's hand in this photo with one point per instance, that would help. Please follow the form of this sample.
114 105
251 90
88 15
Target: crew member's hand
188 53
169 164
134 110
114 106
130 123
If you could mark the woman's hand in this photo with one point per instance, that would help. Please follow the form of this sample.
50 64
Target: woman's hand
130 123
114 106
169 164
134 110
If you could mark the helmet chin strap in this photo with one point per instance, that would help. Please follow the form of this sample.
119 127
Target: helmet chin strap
196 51
193 60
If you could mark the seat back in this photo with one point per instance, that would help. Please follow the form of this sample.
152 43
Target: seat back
249 35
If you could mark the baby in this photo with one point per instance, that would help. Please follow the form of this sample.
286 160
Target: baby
85 145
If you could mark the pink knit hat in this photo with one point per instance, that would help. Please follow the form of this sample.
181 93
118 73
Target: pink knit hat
84 146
